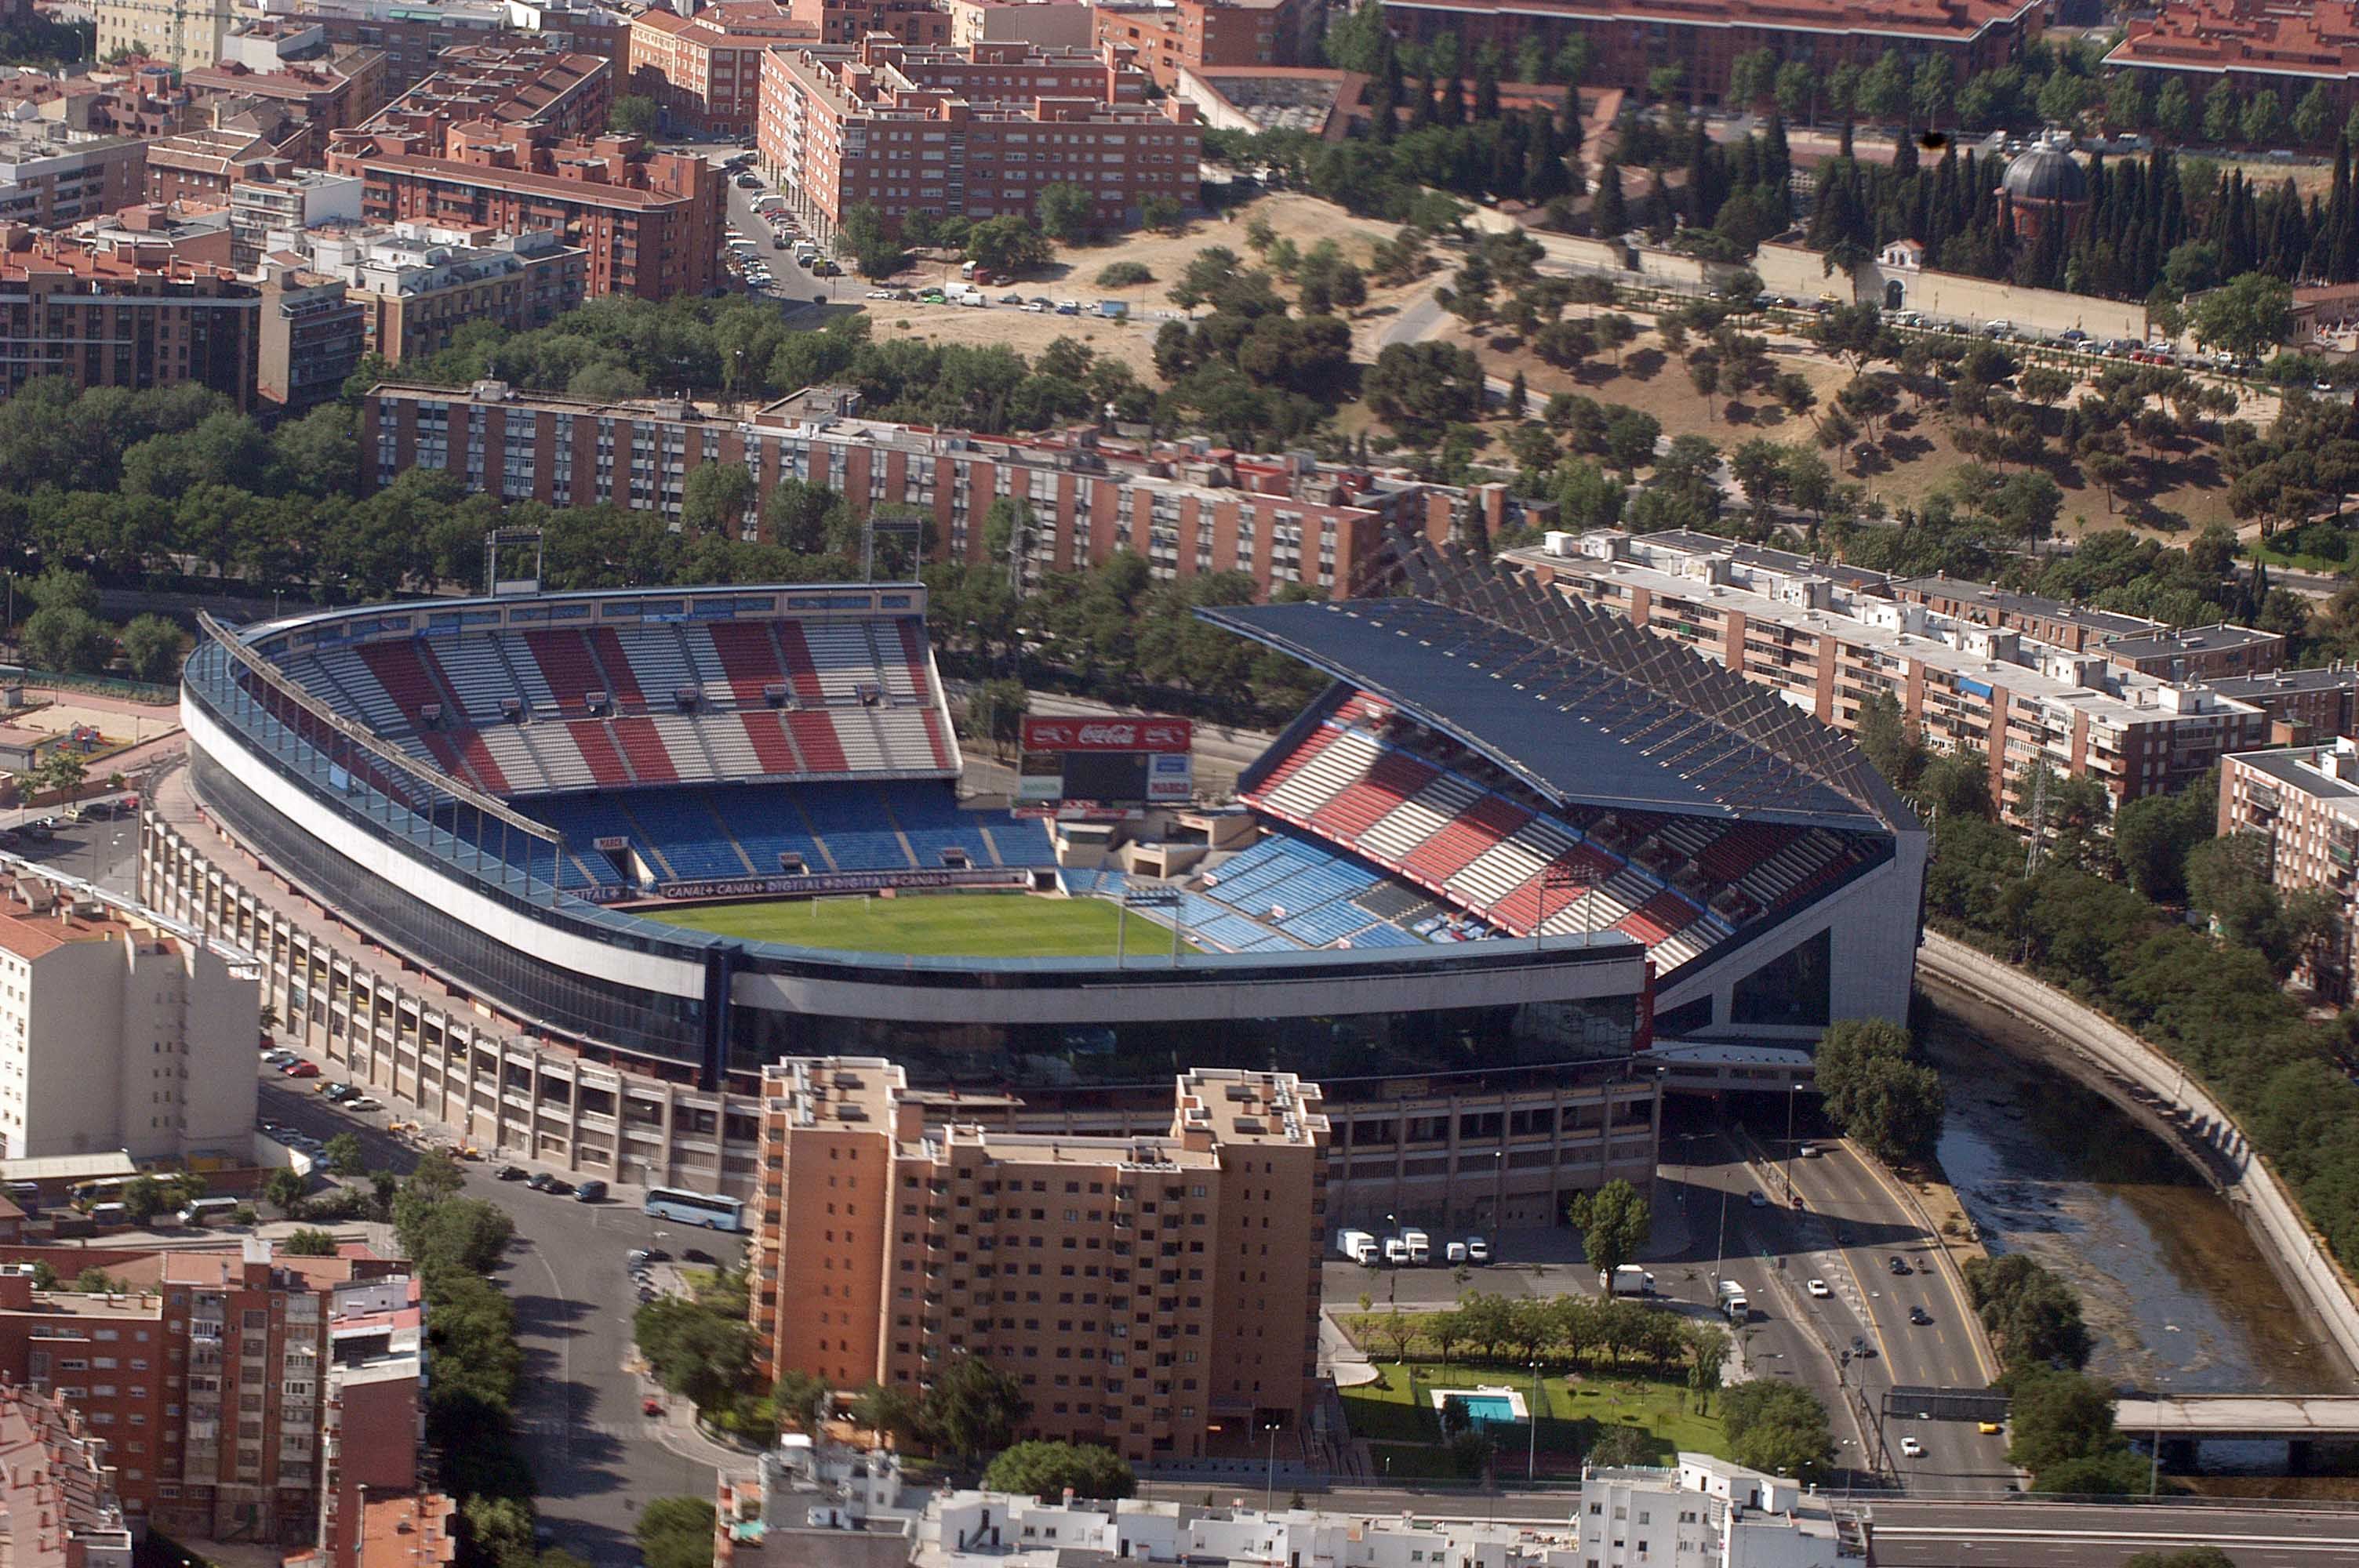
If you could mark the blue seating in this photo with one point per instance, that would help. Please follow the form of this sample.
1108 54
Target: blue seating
1023 842
853 820
690 836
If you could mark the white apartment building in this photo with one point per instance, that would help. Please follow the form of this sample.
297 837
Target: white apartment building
1703 1513
116 1034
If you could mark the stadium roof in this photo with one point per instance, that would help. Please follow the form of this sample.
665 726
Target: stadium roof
1576 702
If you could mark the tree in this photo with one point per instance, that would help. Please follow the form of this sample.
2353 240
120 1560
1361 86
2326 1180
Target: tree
701 1355
890 1413
2032 1315
142 1199
803 1400
1614 1222
1162 213
1875 1093
309 1243
152 645
1008 245
2153 833
973 1408
343 1154
2185 1557
717 499
1777 1427
1618 1445
283 1189
2056 1417
2251 313
675 1532
2313 118
2220 119
633 114
2264 115
864 237
1067 212
1046 1470
64 639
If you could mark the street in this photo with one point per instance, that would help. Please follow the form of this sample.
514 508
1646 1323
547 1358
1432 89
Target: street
595 1458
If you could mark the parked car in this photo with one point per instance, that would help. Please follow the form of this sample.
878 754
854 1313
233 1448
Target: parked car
364 1102
299 1069
1755 1198
1478 1251
511 1173
589 1192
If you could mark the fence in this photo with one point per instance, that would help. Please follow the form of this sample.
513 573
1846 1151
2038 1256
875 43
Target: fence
100 686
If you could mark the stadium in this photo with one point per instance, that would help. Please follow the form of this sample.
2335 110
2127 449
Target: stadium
642 842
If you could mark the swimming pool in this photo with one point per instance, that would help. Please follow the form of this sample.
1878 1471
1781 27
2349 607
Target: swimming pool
1489 1407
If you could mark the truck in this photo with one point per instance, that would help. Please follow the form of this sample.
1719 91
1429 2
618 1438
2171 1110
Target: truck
1419 1245
1627 1280
962 293
1113 309
1358 1246
1733 1302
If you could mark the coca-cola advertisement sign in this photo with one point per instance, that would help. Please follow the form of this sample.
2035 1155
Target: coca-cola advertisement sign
1107 734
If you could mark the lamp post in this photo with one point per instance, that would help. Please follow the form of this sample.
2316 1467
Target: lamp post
1532 1428
2154 1465
1392 1272
1270 1481
1792 1090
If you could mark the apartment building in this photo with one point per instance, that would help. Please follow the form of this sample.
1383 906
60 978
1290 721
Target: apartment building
1142 1290
156 236
2305 706
311 336
1965 661
704 72
918 22
184 34
58 1504
116 1034
312 99
1189 508
413 1530
511 81
2302 803
2281 47
50 179
649 222
1631 38
414 33
418 284
1702 1512
975 132
278 213
1047 24
1169 37
209 1373
203 166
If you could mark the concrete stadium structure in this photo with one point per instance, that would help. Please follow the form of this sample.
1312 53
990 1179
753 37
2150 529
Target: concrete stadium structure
436 823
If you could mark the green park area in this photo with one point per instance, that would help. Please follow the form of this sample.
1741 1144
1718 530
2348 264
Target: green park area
973 925
1625 1420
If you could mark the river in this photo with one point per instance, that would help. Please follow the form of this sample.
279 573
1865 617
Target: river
2170 1281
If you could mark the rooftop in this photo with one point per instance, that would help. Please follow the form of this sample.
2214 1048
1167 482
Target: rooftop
56 1488
1948 20
2000 600
2317 772
2188 640
1576 702
2140 699
2315 38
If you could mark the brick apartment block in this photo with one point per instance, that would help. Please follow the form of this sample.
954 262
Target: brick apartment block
975 132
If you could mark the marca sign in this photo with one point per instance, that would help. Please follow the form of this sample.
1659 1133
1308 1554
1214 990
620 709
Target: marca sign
1107 734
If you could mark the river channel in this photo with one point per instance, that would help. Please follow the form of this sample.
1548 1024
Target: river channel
2171 1282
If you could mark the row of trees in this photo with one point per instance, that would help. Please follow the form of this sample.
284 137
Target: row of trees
1601 1335
1876 1090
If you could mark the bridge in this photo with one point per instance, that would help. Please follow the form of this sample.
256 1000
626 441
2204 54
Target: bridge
2198 1416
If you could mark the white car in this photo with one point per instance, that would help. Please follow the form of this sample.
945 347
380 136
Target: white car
1808 1152
364 1103
1912 1449
1819 1289
880 294
1756 1199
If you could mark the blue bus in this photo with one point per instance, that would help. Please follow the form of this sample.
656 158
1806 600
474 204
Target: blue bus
696 1209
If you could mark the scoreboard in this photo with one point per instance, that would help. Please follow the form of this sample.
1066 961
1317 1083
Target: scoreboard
1104 770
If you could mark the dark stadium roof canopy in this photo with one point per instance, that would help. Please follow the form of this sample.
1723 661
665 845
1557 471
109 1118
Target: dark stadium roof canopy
1577 703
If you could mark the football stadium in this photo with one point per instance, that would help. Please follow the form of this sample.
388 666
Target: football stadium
593 858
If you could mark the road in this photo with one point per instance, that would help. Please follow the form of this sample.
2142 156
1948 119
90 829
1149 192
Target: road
596 1457
791 285
1853 1226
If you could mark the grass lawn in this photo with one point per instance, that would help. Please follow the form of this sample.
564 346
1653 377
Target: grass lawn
1396 1414
980 926
2263 550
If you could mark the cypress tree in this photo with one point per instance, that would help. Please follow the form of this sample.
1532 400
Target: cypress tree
1486 87
2341 254
1609 216
1904 155
1420 114
1452 113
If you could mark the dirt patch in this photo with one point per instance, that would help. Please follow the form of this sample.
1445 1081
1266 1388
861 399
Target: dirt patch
2185 493
998 326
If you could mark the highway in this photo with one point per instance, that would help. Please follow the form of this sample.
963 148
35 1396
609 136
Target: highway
1854 1225
2068 1535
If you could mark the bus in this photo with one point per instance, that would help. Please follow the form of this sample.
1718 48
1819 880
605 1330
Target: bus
204 1211
696 1209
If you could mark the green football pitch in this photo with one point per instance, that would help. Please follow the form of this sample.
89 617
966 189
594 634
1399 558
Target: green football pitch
974 926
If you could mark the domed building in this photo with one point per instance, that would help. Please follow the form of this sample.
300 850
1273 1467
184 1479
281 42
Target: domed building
2045 184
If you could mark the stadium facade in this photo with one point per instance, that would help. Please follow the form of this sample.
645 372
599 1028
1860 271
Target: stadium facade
481 795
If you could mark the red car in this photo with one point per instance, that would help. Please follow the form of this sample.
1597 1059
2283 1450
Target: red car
302 1069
